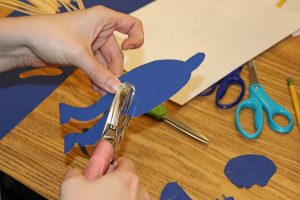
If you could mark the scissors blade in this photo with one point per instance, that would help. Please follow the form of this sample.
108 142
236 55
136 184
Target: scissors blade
168 118
252 72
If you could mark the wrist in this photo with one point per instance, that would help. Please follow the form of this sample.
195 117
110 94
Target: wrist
13 43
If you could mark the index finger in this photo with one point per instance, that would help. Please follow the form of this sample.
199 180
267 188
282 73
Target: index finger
130 26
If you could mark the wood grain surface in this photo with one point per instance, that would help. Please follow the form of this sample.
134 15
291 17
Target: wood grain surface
33 151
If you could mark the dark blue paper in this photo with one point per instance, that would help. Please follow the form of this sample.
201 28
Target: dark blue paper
125 6
173 191
248 170
18 97
154 82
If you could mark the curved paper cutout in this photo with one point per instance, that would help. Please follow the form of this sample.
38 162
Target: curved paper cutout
154 82
173 191
248 170
86 138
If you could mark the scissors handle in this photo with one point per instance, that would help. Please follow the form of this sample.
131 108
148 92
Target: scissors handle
272 108
208 91
254 104
234 79
258 101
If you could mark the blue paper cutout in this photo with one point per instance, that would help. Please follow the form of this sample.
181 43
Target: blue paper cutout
173 191
154 82
18 97
248 170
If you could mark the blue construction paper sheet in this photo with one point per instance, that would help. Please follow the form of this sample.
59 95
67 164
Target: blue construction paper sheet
18 97
248 170
173 191
125 6
154 82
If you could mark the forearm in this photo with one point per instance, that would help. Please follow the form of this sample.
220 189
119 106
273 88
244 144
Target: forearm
13 44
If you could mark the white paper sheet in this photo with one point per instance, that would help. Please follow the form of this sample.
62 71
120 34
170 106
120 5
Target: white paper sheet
229 32
296 33
291 6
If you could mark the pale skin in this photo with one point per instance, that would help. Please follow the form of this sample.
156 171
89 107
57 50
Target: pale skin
71 39
119 182
123 183
83 39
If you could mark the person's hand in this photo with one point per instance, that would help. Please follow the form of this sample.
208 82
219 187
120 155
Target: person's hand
119 182
83 38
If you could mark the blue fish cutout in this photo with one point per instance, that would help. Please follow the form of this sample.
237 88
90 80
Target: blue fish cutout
248 170
173 191
154 82
32 91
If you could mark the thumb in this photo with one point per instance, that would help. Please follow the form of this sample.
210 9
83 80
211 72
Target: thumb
99 74
100 161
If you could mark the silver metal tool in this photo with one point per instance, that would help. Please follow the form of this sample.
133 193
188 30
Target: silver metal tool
184 128
118 118
160 112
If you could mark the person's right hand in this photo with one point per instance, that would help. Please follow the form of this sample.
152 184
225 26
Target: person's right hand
121 183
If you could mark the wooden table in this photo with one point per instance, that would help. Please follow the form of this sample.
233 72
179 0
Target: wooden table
33 151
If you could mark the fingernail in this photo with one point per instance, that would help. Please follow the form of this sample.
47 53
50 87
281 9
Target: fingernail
113 84
130 46
99 161
94 168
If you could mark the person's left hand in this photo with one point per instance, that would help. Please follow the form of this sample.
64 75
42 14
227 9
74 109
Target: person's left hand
83 38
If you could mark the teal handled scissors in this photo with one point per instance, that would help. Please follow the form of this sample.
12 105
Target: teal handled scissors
258 101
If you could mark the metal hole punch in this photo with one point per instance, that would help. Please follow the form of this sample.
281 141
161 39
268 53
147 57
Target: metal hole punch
118 118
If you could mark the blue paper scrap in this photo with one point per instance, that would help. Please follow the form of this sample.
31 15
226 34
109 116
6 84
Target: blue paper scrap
248 170
154 82
173 191
18 97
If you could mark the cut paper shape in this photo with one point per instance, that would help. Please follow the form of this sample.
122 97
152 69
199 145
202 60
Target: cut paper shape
154 82
173 191
19 96
248 170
